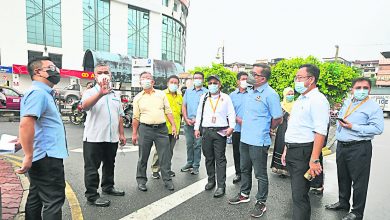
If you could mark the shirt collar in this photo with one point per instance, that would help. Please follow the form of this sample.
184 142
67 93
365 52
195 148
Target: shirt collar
43 86
262 87
193 88
238 91
153 91
309 94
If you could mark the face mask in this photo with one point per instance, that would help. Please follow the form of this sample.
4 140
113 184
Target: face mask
251 80
243 84
290 98
213 88
300 87
360 94
172 87
146 83
198 82
100 78
54 76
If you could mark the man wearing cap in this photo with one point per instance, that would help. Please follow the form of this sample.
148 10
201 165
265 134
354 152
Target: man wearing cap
262 113
216 117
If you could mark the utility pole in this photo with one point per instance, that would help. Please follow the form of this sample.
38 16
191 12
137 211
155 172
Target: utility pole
336 56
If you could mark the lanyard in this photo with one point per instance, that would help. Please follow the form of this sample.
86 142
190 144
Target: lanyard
216 104
348 113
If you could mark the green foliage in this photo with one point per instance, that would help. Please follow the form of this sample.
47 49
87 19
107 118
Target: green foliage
228 78
335 78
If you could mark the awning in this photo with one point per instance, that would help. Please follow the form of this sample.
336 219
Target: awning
22 69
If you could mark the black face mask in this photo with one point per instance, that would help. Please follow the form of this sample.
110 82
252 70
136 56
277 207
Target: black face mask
54 76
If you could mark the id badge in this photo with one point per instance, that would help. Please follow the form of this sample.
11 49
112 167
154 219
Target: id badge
213 119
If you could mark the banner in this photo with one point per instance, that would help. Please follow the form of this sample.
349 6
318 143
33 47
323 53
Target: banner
22 69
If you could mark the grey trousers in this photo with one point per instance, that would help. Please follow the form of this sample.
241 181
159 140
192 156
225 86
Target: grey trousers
158 136
155 161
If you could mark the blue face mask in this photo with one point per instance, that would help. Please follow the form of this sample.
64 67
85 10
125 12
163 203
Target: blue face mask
360 94
213 88
290 98
172 87
300 87
198 82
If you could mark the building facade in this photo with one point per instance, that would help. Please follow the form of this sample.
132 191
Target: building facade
383 75
369 68
65 29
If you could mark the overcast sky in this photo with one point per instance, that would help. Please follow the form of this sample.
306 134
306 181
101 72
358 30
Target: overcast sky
258 29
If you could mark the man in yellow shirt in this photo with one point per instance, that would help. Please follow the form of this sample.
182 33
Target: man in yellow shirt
175 100
150 110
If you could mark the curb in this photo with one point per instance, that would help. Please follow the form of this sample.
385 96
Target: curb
26 186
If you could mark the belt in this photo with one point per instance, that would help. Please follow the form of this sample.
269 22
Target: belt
154 125
351 143
296 145
215 128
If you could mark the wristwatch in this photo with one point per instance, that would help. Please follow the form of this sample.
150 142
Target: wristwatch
315 161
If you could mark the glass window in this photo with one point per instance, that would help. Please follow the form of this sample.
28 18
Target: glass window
44 26
165 3
175 6
96 24
138 32
9 92
173 40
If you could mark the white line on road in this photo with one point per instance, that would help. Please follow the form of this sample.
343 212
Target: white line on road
167 203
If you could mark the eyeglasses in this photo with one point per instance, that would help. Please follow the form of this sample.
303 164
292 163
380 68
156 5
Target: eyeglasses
299 78
51 67
213 83
255 74
361 87
103 72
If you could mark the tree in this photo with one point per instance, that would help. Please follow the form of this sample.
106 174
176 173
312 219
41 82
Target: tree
228 78
335 78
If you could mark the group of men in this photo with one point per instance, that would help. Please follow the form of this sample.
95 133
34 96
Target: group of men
210 116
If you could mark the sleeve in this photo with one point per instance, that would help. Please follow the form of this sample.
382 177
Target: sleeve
374 126
231 113
167 107
185 97
34 104
199 113
86 94
319 111
121 111
136 111
274 106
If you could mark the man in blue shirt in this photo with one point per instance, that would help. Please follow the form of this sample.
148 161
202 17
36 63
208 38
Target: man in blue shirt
238 98
262 113
42 136
191 101
360 120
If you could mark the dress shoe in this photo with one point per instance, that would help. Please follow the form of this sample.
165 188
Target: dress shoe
337 206
171 173
236 179
209 186
351 216
219 192
142 187
169 186
114 192
100 202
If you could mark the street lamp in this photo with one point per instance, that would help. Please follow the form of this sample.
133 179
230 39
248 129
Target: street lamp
218 56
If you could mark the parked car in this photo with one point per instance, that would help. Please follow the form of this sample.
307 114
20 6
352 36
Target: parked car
13 98
69 94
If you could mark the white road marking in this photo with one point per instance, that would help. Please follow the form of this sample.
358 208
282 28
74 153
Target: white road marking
167 203
126 148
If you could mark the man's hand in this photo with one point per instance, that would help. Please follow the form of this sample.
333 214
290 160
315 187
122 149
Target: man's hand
229 132
104 88
26 165
134 138
315 168
174 132
239 120
347 124
190 122
122 140
283 158
197 134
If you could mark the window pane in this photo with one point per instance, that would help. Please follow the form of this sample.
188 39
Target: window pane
173 40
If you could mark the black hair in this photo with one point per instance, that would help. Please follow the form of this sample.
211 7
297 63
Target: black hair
199 73
361 79
242 73
35 63
173 77
145 72
266 71
312 70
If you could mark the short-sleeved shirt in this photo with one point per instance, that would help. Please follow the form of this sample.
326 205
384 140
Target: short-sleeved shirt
309 115
49 137
102 122
238 99
175 102
367 121
191 100
261 106
151 108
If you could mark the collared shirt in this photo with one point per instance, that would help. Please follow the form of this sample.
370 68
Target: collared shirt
175 102
261 106
309 115
367 121
102 122
49 137
238 99
191 100
224 112
151 108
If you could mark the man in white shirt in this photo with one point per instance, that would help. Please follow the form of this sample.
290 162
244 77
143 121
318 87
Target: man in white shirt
217 119
305 136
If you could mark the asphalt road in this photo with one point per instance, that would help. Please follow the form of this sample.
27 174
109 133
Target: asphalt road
202 205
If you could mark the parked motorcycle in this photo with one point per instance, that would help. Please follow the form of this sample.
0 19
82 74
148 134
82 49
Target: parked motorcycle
78 115
128 110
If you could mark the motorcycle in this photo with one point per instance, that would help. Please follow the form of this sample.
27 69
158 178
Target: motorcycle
128 111
78 115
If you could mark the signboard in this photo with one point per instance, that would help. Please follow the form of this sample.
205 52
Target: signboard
15 81
5 69
22 69
383 101
139 66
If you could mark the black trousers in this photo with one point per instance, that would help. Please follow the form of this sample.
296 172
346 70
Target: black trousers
47 189
95 154
236 151
297 160
214 148
353 170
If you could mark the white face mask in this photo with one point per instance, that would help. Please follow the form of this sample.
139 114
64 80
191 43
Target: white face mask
100 78
146 83
243 84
